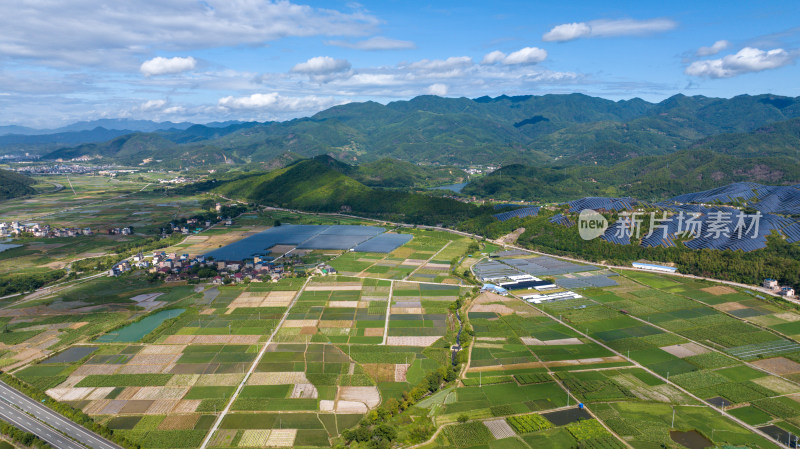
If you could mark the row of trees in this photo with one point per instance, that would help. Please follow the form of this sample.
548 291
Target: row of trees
22 437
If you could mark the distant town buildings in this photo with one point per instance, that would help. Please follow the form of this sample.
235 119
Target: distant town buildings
15 229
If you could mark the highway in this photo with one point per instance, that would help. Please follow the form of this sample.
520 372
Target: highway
24 422
36 414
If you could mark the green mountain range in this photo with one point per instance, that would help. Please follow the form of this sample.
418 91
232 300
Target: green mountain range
548 129
13 184
647 178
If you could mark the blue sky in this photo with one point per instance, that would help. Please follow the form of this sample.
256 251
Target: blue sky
213 60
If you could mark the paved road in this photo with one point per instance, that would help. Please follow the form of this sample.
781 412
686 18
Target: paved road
25 422
51 418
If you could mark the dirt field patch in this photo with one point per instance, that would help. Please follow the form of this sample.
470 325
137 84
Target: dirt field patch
685 350
530 341
370 396
400 371
338 324
254 438
162 349
778 365
343 304
136 407
729 306
85 370
788 316
304 391
777 385
381 372
373 332
161 406
300 323
411 341
310 330
718 290
178 422
278 378
186 406
500 309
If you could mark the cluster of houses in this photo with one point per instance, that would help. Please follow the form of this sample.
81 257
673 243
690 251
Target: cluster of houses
195 225
772 284
16 228
120 231
179 267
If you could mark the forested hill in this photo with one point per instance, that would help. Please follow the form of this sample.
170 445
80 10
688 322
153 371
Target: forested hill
569 129
13 185
647 178
321 185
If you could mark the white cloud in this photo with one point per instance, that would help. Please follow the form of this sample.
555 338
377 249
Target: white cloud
115 34
527 55
715 48
607 28
277 102
151 105
322 65
441 65
567 32
166 66
439 89
747 60
375 43
493 57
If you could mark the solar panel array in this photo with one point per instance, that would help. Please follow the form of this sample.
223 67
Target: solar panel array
530 211
561 219
302 236
598 203
544 266
767 199
617 233
587 282
505 206
384 243
492 269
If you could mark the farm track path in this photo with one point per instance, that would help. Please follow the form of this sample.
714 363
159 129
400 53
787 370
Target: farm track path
658 376
253 366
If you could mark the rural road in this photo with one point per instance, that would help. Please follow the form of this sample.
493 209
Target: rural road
40 420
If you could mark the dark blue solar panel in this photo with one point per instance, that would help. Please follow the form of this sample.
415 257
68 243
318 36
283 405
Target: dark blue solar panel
561 219
531 211
601 203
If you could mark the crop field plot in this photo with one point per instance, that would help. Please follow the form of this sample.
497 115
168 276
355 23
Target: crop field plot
648 424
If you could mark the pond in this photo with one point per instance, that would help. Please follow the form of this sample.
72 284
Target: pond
691 439
136 331
5 246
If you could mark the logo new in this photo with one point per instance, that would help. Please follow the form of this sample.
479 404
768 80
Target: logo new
591 224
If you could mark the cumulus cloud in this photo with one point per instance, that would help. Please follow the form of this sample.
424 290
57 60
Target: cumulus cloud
167 66
79 32
493 57
607 28
322 65
746 60
525 56
715 48
375 43
442 65
323 69
439 89
151 105
276 102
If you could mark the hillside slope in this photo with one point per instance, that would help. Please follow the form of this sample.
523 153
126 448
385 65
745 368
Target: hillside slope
13 185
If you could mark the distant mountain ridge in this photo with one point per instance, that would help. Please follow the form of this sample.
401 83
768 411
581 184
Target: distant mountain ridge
547 129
